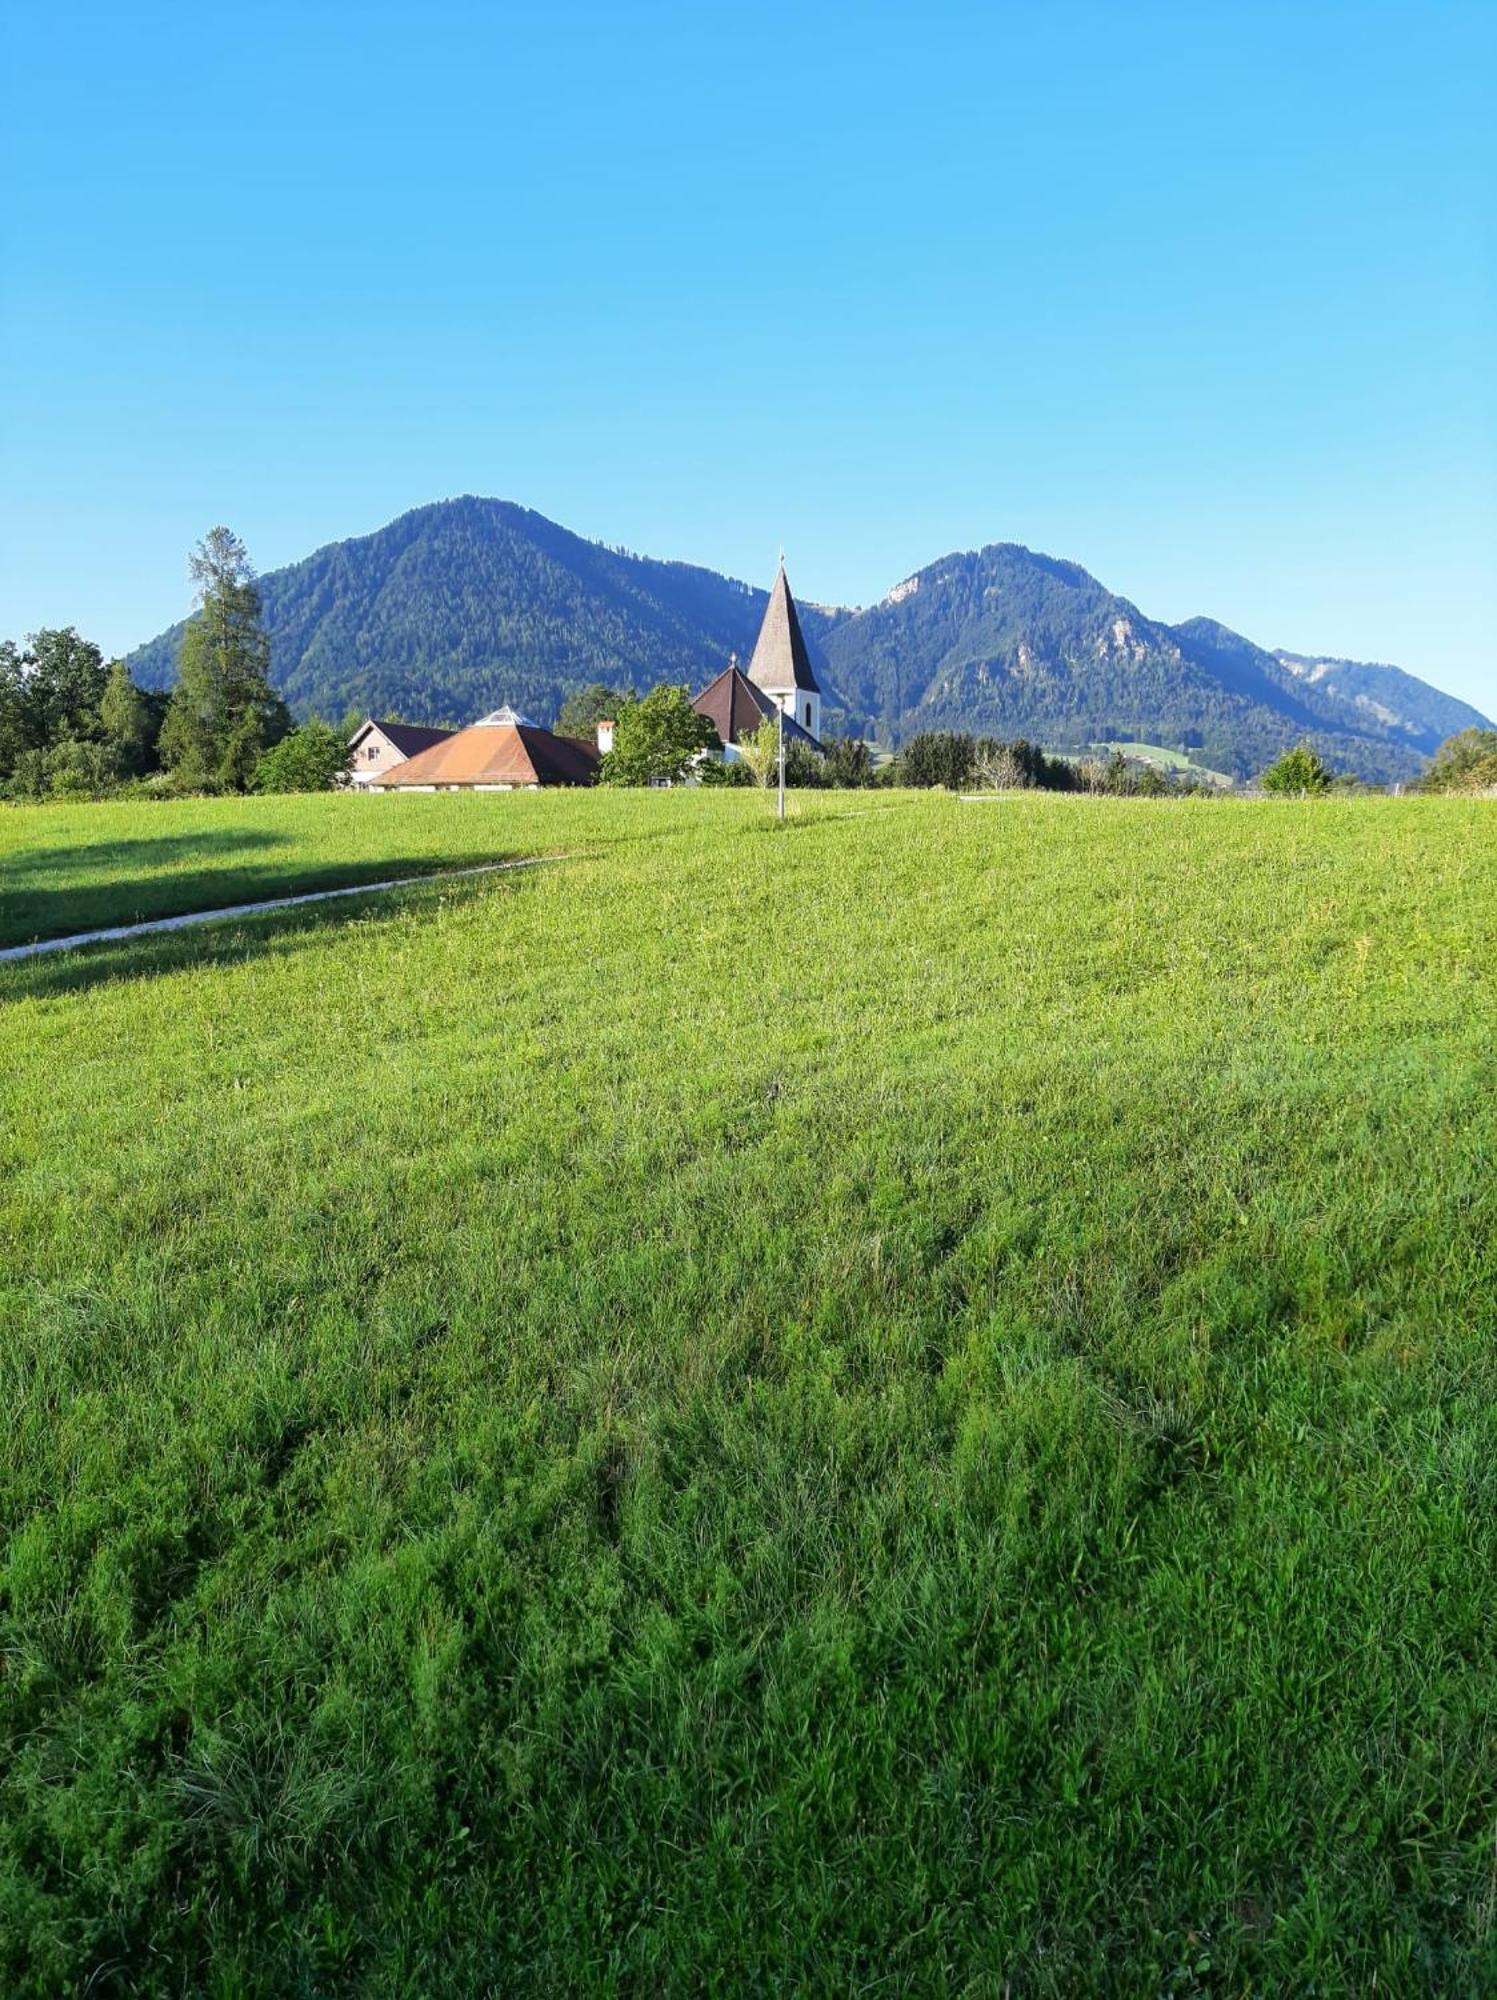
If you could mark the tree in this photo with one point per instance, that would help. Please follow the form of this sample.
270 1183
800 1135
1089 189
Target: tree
1298 773
657 740
51 690
59 680
76 768
938 757
124 722
849 763
998 769
804 769
12 717
1463 763
224 713
583 710
761 751
313 758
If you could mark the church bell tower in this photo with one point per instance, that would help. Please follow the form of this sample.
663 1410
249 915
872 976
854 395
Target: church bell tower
781 666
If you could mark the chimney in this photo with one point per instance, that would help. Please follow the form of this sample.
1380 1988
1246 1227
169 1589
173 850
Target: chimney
605 735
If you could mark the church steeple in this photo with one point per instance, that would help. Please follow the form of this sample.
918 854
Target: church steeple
781 664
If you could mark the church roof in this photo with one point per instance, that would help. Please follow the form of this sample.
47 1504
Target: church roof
736 708
780 660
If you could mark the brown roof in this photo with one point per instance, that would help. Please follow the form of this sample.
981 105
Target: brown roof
780 660
736 708
497 753
407 737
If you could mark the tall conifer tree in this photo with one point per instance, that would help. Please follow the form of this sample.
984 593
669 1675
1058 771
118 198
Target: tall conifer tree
224 712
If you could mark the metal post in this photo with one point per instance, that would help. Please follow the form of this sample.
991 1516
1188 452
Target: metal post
782 762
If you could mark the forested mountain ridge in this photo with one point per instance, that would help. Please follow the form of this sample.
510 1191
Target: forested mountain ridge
464 604
1008 641
1388 693
458 606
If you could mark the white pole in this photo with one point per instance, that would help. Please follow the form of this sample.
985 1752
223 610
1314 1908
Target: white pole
782 762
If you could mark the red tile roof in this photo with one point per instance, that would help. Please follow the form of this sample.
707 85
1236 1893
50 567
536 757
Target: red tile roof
496 753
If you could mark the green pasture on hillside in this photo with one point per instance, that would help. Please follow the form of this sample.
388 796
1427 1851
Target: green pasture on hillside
901 1404
1169 760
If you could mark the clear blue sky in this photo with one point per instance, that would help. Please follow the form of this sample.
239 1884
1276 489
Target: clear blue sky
1203 296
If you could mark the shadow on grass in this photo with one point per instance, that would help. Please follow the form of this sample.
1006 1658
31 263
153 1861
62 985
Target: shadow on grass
152 851
237 940
31 915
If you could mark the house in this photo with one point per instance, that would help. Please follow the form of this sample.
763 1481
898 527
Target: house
780 679
378 746
502 752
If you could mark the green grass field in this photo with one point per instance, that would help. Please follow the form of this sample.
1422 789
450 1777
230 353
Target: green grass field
73 868
901 1404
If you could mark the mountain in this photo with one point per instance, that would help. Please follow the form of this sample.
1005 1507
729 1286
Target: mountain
1006 641
1389 694
459 606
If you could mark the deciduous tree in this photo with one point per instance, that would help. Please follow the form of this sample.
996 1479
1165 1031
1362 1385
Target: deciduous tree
124 722
761 751
61 681
657 740
313 758
1463 763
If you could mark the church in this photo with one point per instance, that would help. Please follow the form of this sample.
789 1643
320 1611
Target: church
506 751
780 678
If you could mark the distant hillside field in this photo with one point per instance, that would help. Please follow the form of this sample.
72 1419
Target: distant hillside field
1168 760
457 607
903 1403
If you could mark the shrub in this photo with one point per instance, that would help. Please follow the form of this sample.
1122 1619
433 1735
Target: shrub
719 771
313 758
1298 773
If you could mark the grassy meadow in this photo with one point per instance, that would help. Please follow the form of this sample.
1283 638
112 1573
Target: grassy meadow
901 1404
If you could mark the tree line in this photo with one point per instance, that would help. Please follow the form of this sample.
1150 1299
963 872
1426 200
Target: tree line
74 726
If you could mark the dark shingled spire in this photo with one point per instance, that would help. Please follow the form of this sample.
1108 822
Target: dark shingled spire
780 660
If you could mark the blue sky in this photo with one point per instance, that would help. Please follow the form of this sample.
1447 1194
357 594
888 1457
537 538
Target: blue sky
1204 297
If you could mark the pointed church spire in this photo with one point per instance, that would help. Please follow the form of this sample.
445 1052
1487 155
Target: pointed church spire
781 663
